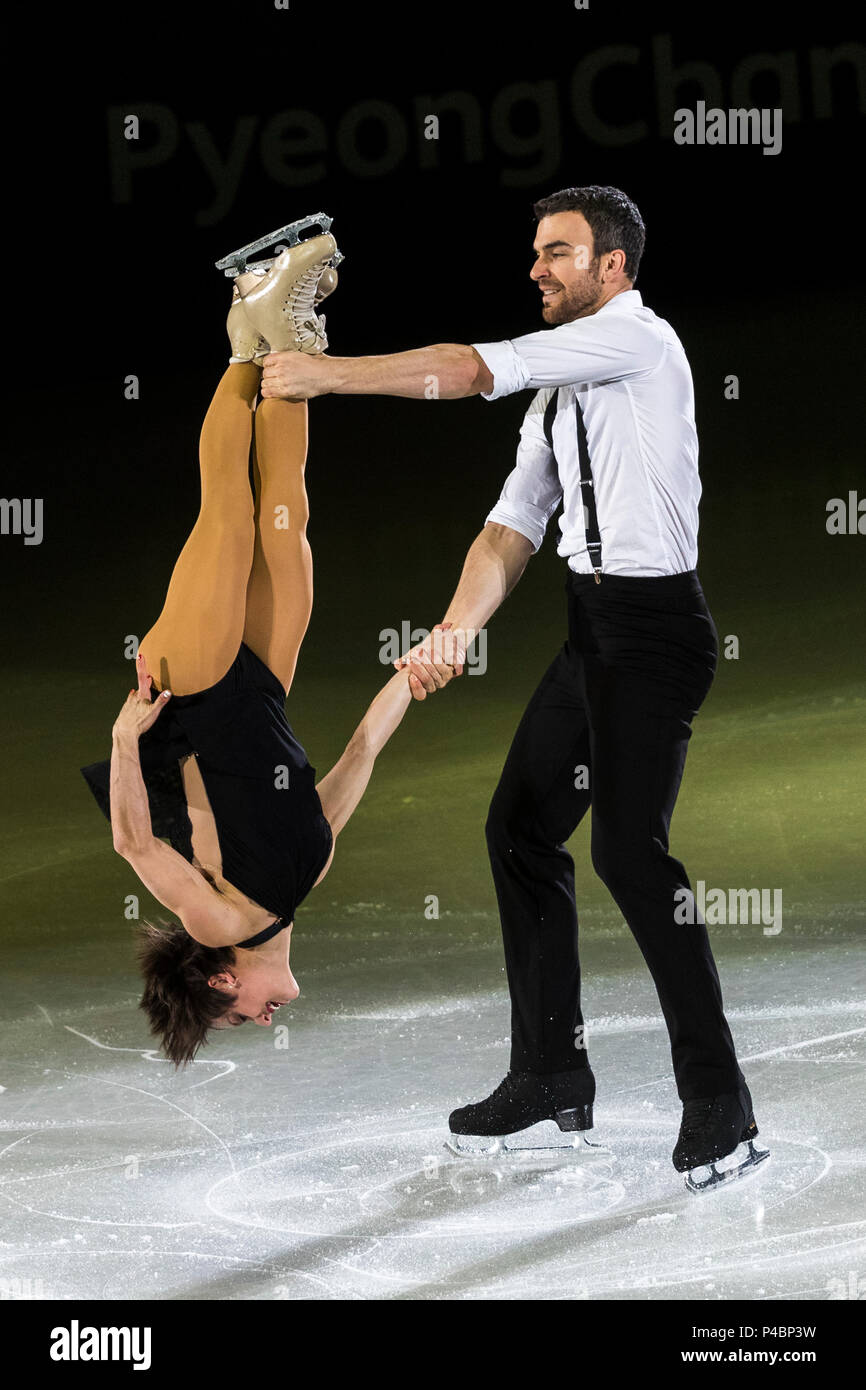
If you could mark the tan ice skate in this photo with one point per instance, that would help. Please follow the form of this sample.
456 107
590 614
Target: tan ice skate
280 307
247 344
282 298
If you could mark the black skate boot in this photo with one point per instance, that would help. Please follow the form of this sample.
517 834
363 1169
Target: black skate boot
717 1141
527 1111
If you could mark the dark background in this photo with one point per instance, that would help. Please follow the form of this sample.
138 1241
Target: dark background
755 259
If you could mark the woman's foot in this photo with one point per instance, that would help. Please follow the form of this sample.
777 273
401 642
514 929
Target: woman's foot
281 306
248 345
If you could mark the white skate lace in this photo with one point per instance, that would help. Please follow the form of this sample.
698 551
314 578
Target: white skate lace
300 305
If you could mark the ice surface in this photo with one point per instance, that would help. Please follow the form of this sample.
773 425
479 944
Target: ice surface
318 1170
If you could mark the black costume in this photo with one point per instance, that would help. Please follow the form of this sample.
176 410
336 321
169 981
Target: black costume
273 836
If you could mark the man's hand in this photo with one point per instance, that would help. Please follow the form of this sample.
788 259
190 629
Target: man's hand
295 376
437 660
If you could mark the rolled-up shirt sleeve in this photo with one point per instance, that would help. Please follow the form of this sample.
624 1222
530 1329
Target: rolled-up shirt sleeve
532 490
602 347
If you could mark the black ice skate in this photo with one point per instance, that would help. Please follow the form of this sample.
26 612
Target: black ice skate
527 1111
717 1141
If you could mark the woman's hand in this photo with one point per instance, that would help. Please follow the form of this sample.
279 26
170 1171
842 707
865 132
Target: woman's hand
138 713
433 663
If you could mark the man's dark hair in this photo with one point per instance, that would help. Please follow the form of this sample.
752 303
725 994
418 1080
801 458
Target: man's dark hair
180 1005
613 219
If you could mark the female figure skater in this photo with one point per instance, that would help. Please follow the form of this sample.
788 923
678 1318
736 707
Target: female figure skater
202 752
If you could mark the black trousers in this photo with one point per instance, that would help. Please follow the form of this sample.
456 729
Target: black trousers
608 728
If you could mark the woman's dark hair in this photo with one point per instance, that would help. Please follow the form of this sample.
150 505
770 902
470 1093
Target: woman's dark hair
613 218
180 1004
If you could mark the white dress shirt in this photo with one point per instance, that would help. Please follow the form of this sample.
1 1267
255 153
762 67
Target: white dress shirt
629 373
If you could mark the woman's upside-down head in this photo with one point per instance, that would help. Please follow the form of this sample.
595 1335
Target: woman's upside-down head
180 1003
190 988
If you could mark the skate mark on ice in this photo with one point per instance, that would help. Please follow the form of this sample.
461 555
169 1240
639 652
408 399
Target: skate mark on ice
381 1276
408 1013
804 1042
326 1191
75 1220
306 1193
151 1054
755 1056
19 1140
151 1095
119 1252
87 1220
305 1275
798 1192
98 1221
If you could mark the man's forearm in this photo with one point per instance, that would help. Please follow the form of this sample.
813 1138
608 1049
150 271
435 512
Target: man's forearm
130 813
445 371
494 563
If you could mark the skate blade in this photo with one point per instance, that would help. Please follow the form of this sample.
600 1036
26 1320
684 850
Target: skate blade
744 1161
237 261
545 1137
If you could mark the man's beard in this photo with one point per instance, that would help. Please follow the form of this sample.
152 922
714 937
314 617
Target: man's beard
572 302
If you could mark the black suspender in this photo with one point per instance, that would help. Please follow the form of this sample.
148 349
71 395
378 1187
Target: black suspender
590 515
550 415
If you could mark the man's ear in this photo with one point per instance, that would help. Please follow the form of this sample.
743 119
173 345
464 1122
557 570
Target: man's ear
225 981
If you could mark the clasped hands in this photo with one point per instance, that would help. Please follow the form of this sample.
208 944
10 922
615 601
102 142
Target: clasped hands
436 660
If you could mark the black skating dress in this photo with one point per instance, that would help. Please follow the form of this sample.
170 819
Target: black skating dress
273 835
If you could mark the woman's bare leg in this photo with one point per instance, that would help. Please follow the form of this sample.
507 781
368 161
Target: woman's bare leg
196 637
279 596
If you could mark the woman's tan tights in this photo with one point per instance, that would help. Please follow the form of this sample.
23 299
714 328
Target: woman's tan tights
246 570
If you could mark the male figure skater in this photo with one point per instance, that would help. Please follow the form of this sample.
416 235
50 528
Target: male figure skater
609 433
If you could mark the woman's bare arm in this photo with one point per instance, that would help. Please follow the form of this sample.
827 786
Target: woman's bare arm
172 880
208 917
130 814
342 788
